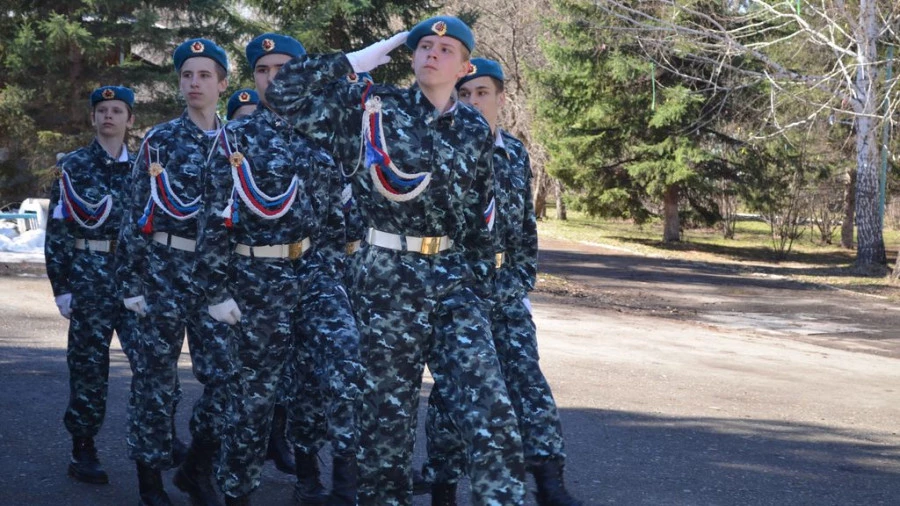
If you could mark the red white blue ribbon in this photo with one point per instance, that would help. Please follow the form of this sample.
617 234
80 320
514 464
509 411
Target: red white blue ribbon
263 205
490 214
391 182
76 208
162 195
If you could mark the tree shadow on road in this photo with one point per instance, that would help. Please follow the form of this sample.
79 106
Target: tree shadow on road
645 459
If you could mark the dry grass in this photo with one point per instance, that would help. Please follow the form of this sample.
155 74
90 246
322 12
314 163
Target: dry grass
751 249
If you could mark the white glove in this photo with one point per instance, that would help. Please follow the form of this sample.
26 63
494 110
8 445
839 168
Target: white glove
136 304
527 304
367 58
64 303
226 312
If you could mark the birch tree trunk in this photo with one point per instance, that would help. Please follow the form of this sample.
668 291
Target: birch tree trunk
870 240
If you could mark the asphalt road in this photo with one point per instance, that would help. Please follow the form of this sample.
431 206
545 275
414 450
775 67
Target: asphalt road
659 406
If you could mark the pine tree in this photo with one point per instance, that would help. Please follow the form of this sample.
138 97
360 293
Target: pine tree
55 53
637 141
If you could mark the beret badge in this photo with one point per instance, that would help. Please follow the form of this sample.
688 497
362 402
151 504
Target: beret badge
197 47
109 94
268 45
440 28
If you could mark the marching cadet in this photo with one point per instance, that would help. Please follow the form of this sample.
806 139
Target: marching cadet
270 251
511 323
421 290
88 204
158 242
241 103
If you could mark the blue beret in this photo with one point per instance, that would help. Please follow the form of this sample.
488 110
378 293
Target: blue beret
239 99
273 43
442 25
199 47
113 93
481 67
360 77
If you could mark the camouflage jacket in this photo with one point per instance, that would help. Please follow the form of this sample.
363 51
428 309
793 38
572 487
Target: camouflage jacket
516 225
454 148
168 184
90 176
290 190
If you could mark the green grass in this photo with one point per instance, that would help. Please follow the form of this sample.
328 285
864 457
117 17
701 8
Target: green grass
750 250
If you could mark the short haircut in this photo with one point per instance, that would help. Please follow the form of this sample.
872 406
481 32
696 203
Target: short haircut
498 83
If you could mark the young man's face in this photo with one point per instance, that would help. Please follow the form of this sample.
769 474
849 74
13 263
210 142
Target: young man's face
265 70
439 61
111 118
482 94
199 83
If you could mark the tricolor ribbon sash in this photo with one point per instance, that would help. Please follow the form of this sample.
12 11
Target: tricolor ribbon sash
77 208
259 203
162 195
391 182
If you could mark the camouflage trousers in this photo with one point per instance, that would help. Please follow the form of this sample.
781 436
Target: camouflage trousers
515 339
90 332
407 315
173 309
276 300
327 391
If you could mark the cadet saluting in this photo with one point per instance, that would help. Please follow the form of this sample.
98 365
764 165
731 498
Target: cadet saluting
425 270
88 204
158 242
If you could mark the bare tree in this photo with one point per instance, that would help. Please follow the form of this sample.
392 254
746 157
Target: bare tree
509 32
821 57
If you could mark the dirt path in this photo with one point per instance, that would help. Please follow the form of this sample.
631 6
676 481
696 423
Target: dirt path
721 295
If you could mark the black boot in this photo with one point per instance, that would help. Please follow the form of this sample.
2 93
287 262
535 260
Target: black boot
551 488
179 449
85 465
345 472
150 486
443 494
194 477
309 490
243 500
421 486
279 450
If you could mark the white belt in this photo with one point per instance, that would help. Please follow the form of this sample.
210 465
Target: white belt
292 251
423 245
100 246
173 241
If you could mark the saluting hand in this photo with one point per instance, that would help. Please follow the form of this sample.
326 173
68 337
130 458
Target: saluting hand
375 55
